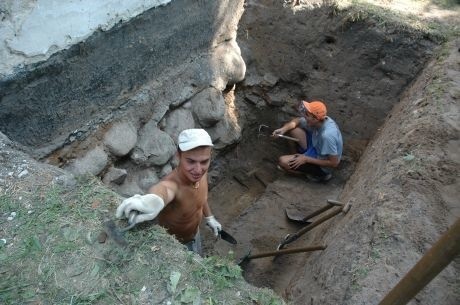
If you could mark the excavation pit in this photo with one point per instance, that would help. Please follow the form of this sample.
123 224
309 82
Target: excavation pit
374 72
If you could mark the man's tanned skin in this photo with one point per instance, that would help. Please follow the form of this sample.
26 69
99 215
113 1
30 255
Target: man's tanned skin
179 201
185 194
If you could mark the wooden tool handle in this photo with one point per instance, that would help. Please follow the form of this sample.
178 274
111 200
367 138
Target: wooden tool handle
288 138
287 251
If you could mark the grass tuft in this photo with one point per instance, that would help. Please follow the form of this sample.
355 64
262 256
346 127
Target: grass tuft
52 256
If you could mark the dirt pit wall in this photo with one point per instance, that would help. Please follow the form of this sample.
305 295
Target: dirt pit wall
402 193
401 189
113 105
358 67
136 70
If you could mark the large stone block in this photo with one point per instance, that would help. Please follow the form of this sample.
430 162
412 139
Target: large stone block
121 138
155 147
208 107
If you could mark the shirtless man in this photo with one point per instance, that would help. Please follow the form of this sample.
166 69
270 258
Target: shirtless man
180 200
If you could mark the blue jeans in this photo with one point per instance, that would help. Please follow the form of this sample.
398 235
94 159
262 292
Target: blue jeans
195 244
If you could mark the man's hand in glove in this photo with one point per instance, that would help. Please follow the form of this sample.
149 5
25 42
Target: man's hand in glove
213 224
148 207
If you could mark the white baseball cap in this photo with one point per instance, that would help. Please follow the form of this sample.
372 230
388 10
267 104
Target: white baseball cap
191 138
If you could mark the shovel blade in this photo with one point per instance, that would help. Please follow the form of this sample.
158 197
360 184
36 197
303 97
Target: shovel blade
296 218
244 259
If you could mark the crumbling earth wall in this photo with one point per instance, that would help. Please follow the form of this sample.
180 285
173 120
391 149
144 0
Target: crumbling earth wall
33 30
405 187
404 195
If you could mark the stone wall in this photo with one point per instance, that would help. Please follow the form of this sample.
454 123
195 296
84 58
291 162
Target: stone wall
159 73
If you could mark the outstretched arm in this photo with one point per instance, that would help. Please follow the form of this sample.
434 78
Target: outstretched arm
165 189
150 205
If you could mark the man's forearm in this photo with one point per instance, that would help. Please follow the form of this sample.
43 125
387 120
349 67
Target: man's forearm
289 126
331 162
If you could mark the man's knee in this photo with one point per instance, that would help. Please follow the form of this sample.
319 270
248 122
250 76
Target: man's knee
282 160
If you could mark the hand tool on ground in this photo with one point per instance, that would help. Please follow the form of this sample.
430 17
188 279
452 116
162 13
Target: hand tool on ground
248 256
265 127
305 220
294 236
227 237
131 223
117 234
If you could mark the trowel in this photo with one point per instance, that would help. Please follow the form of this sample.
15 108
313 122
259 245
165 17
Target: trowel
264 130
117 234
227 237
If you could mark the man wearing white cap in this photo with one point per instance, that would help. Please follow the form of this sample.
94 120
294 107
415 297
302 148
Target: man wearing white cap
180 200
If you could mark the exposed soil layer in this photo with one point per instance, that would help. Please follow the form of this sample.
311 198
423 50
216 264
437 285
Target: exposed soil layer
402 202
393 92
97 81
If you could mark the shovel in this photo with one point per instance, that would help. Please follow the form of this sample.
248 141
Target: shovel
248 256
305 220
294 236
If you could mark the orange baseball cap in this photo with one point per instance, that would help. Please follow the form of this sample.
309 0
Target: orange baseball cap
317 108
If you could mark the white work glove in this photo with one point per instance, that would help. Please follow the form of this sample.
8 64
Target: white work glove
213 224
148 206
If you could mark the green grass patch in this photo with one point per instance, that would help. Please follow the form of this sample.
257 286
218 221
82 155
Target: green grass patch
52 256
47 230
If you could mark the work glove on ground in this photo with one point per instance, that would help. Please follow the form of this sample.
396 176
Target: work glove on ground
213 224
148 206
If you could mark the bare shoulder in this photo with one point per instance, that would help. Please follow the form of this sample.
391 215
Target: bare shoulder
168 184
166 189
